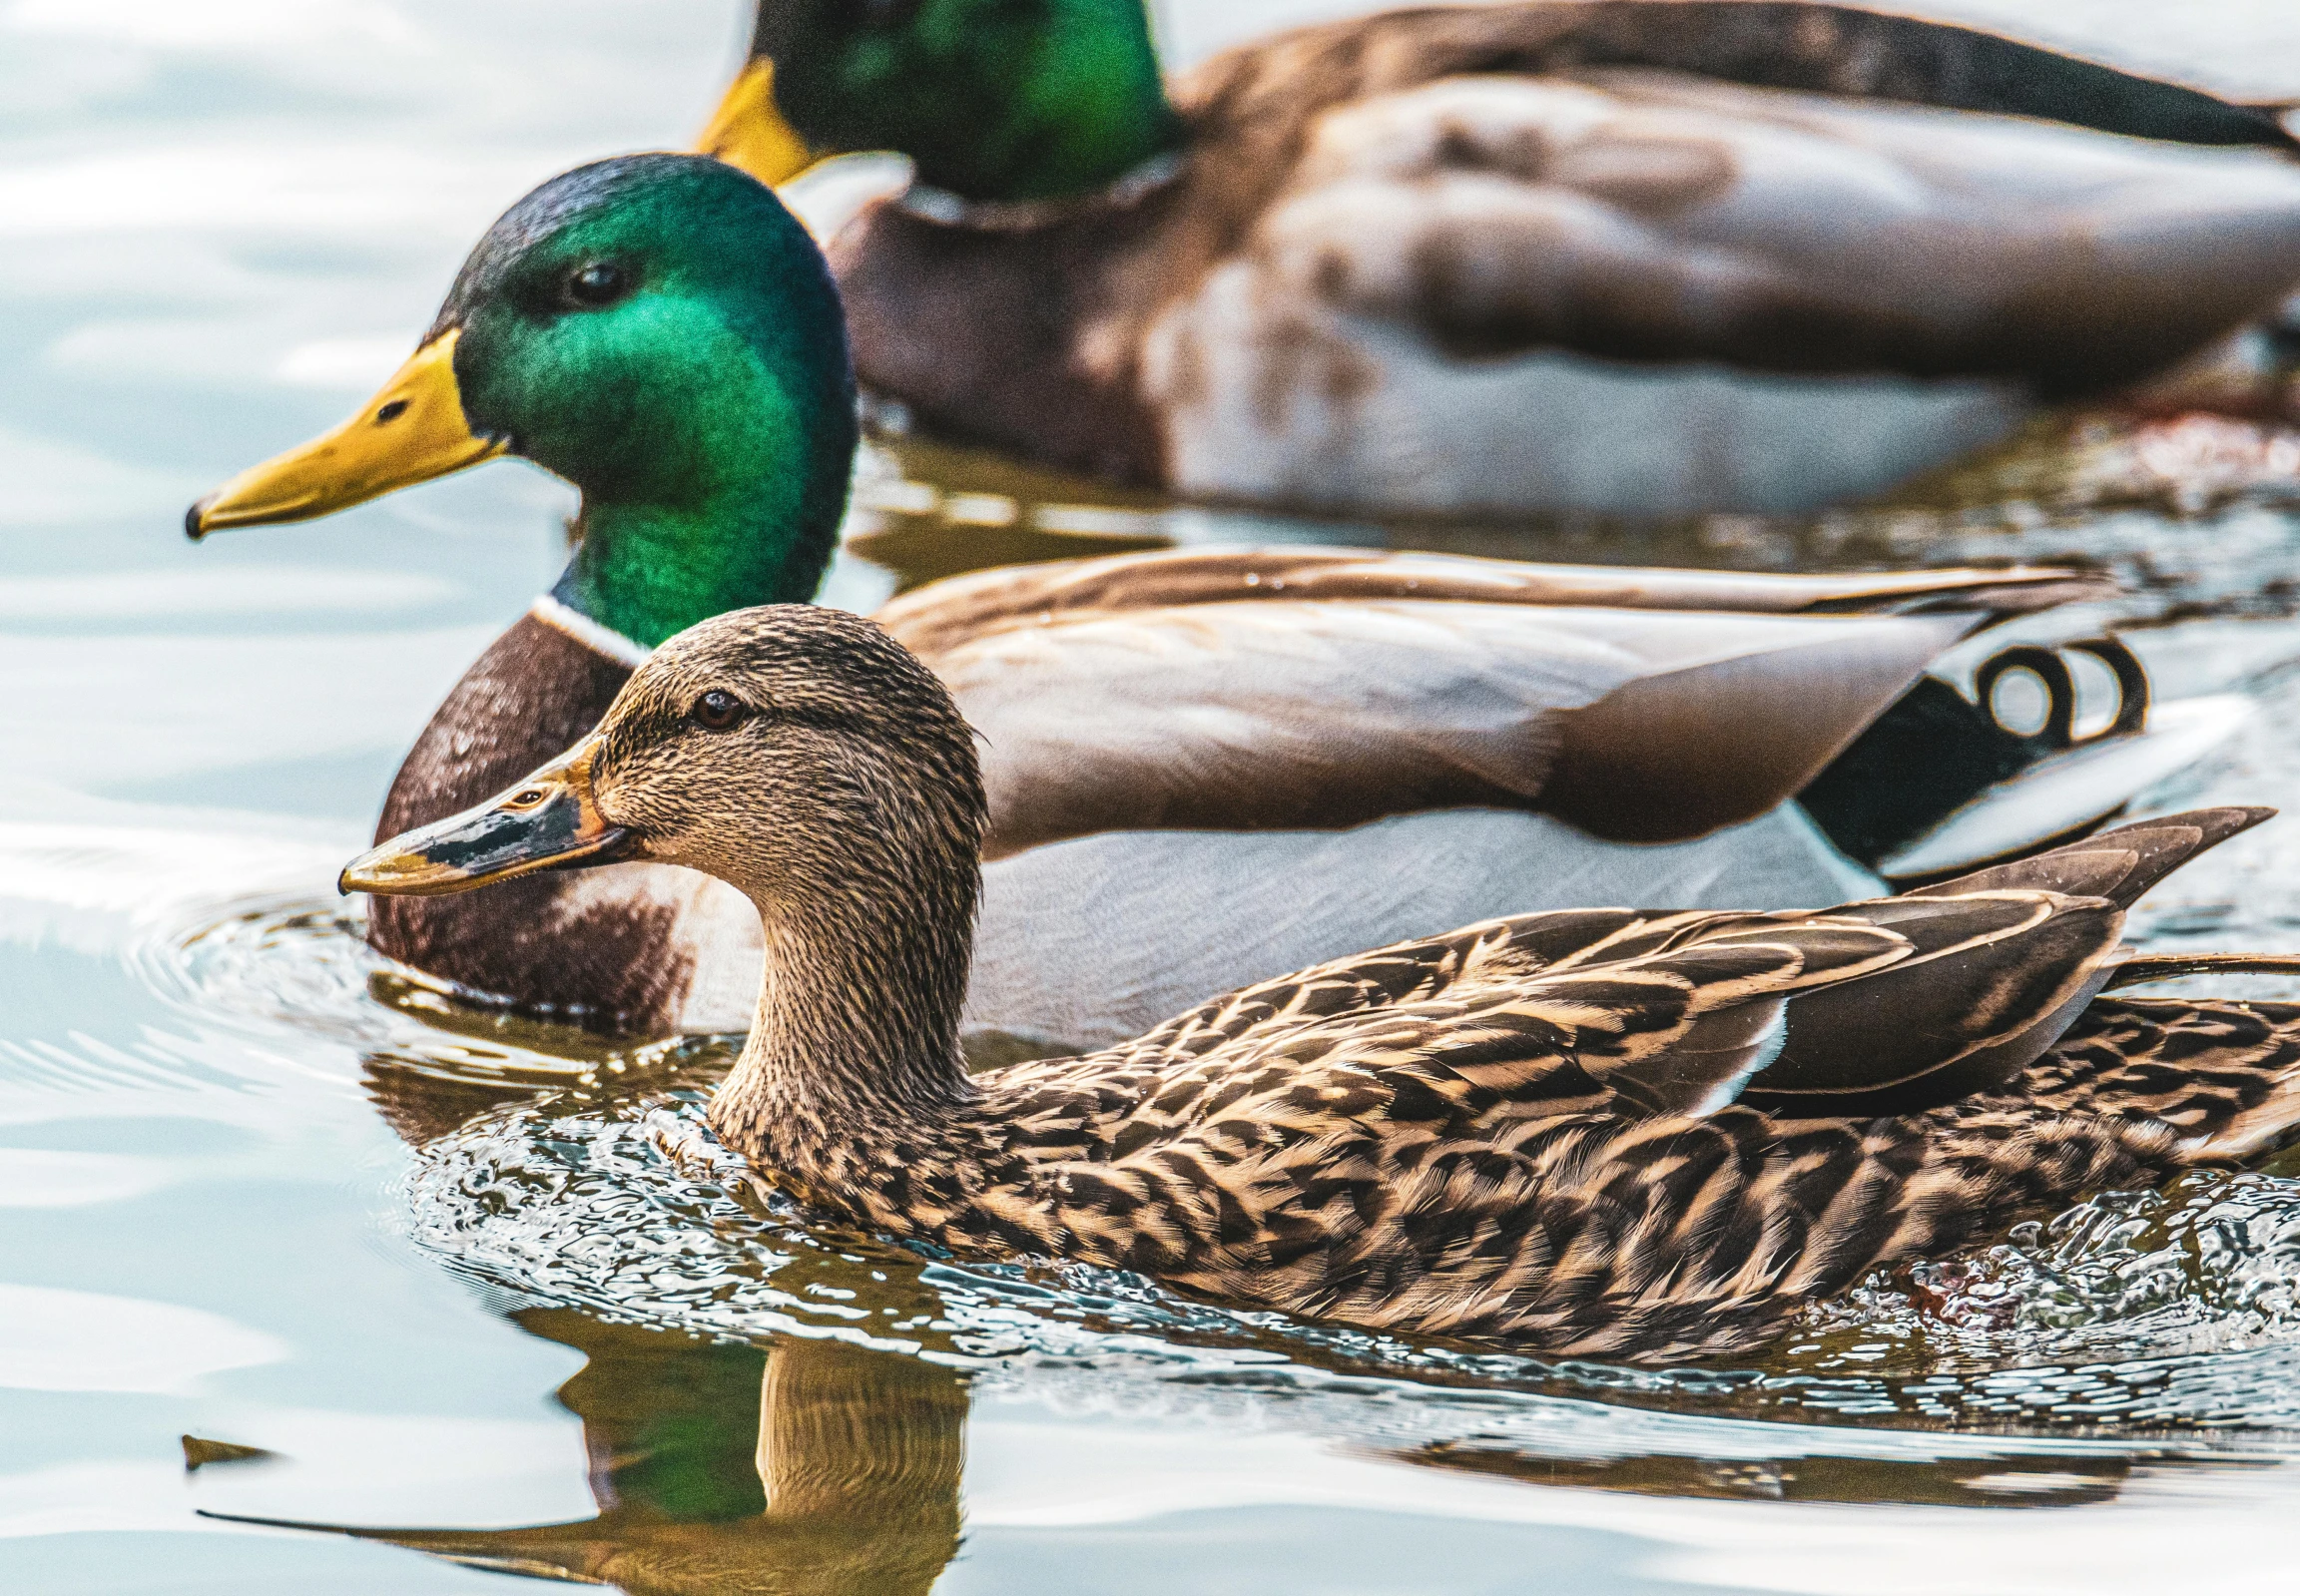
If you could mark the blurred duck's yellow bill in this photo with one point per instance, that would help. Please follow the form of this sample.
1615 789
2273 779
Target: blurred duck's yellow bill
748 130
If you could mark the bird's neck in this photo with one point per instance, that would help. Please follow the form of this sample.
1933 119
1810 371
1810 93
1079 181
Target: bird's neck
648 572
730 501
853 1056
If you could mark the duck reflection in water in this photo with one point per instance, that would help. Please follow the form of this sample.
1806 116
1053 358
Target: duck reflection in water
810 1467
821 1467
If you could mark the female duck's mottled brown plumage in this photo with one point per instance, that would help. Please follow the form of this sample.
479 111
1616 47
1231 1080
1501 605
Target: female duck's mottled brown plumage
1602 1131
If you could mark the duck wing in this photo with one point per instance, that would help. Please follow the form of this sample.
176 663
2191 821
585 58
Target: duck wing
1816 49
945 615
1642 216
1534 1151
1888 1007
1326 713
1611 1011
1960 1017
1269 1013
2120 864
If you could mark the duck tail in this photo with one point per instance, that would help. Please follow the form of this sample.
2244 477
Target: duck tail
2119 865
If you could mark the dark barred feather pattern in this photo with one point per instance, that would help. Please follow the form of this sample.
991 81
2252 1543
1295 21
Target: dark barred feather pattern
2217 1074
1425 1139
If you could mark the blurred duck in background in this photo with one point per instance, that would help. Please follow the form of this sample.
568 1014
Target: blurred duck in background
1634 257
1204 767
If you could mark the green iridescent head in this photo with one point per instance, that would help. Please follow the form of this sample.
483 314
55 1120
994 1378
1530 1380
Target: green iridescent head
993 99
660 331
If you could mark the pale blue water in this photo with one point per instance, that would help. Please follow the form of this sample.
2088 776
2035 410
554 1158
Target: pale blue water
223 222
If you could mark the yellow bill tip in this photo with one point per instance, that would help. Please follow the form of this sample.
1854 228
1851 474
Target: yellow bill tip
394 871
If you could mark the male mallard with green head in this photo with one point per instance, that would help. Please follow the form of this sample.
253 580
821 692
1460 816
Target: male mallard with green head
1634 257
1205 767
1604 1131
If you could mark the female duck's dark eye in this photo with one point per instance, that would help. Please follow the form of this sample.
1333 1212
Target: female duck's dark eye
715 711
597 283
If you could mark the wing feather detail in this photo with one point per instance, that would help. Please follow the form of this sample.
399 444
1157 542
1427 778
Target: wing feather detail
963 609
1329 714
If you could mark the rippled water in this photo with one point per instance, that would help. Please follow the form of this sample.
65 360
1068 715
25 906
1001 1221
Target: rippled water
268 1205
575 1172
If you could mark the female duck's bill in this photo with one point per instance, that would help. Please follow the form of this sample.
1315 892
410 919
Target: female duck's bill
549 821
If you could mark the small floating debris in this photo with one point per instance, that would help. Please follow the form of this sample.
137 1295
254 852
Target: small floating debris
200 1451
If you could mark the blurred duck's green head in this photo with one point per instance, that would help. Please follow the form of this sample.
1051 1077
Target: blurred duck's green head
661 333
993 99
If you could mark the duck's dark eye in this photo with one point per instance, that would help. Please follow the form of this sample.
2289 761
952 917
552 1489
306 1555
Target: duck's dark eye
717 710
597 283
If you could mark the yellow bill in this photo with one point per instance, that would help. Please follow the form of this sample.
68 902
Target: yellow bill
412 431
748 130
549 821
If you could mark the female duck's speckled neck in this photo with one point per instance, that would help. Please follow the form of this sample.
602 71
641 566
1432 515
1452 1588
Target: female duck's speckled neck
853 1061
841 792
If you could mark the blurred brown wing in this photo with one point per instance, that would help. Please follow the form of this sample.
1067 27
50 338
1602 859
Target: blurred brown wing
1644 215
1818 49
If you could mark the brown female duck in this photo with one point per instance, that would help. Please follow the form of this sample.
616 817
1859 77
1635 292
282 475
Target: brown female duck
1633 256
1605 1131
